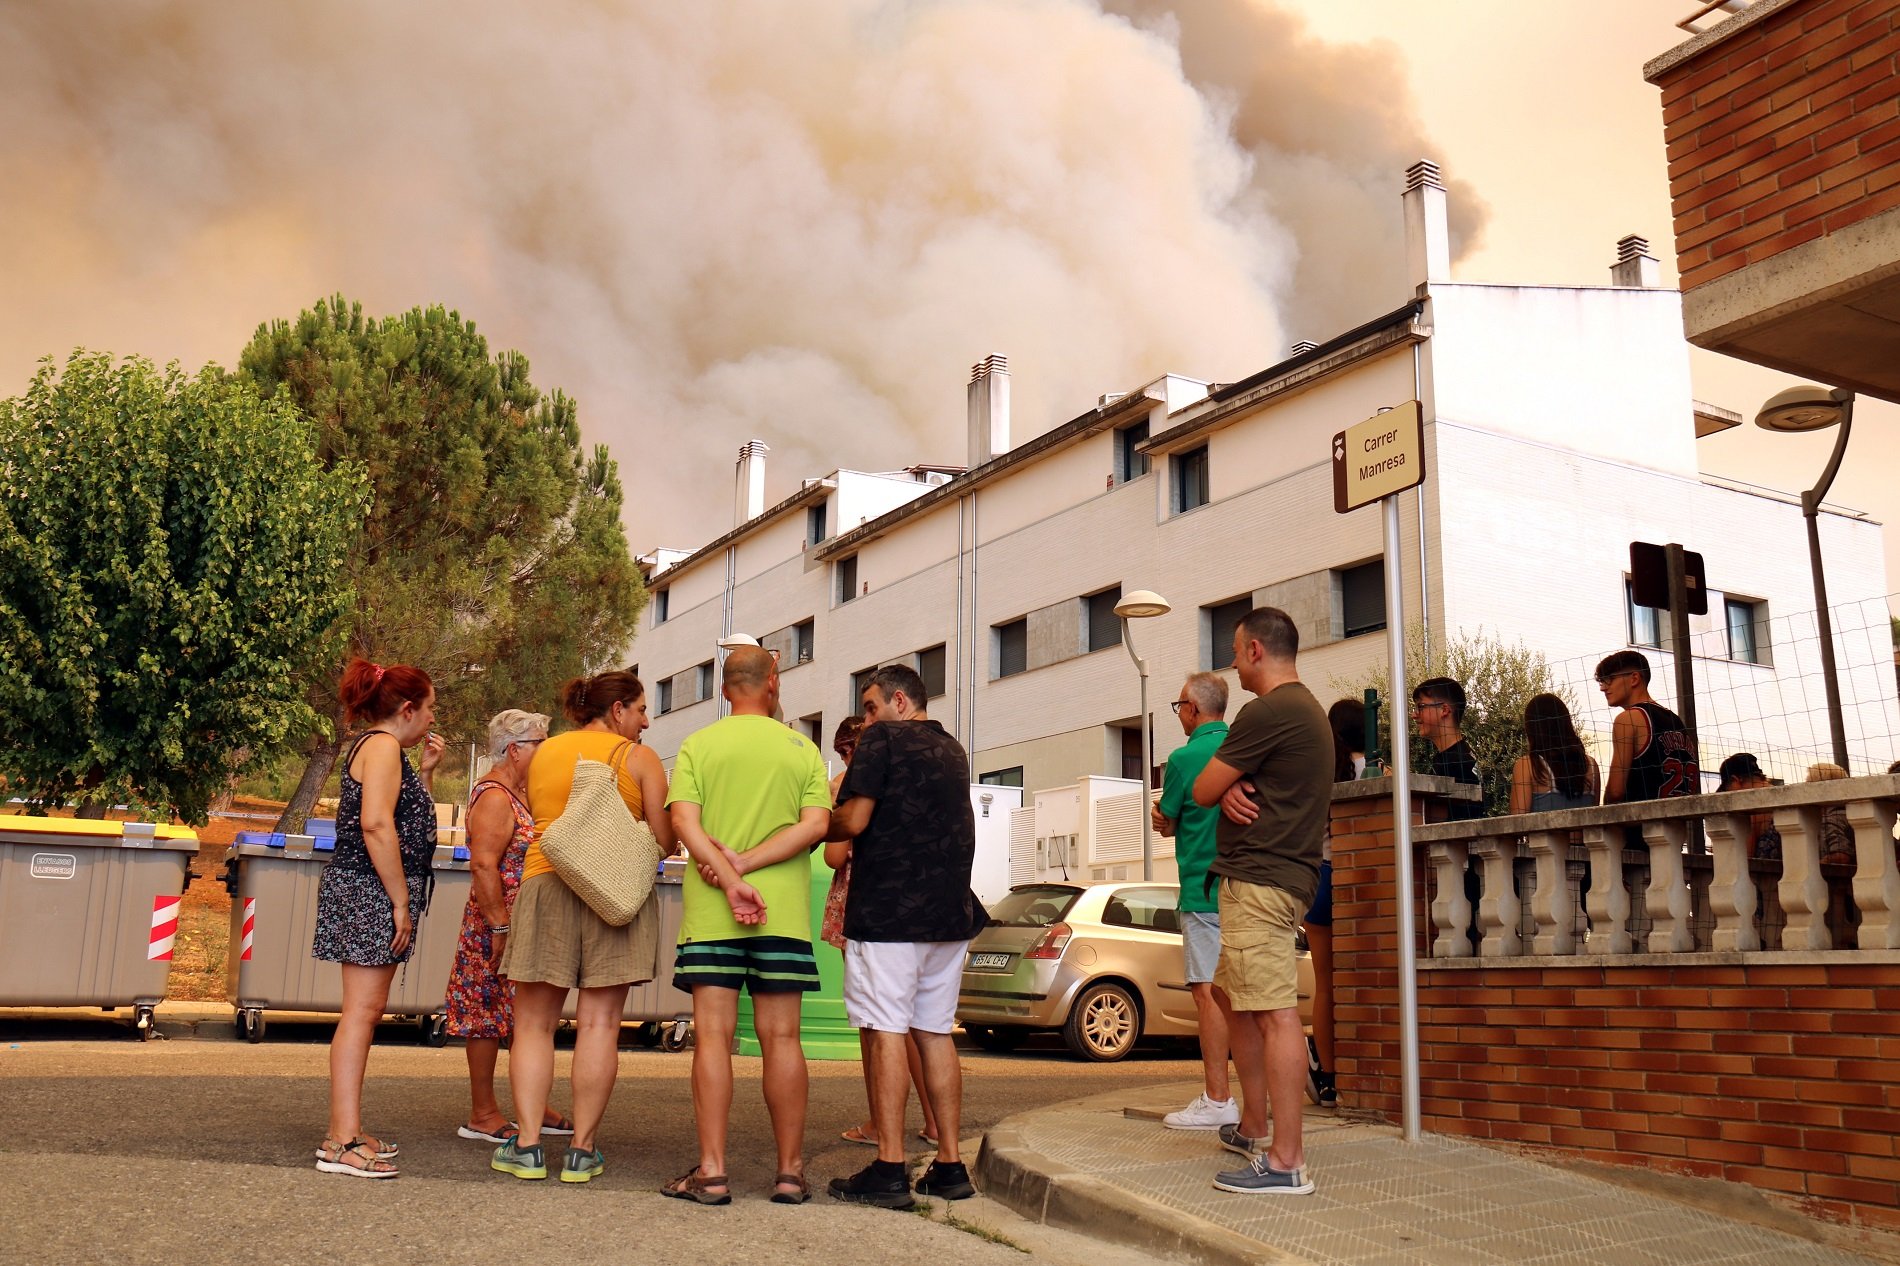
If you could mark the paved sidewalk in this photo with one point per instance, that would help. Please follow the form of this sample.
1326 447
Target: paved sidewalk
1106 1166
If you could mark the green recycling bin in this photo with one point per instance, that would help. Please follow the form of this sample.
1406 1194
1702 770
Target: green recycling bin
823 1028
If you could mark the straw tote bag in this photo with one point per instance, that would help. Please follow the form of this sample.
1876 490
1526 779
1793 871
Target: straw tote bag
598 848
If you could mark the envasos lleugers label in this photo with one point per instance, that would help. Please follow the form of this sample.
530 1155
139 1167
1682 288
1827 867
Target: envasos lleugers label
53 866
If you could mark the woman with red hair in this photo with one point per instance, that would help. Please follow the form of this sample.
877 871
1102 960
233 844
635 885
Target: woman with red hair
376 886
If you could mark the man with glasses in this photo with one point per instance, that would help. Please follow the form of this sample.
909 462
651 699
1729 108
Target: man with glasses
1652 754
1202 704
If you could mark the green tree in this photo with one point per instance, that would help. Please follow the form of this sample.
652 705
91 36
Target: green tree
171 556
492 556
1499 679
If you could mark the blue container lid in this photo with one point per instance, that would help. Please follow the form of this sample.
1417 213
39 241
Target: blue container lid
323 844
276 840
320 826
461 852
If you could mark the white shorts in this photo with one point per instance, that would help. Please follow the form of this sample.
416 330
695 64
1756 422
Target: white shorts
897 986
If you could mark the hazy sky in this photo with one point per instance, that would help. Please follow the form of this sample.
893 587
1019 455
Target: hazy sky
1544 109
804 222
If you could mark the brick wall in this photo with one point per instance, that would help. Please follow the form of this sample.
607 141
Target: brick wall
1785 131
1781 1075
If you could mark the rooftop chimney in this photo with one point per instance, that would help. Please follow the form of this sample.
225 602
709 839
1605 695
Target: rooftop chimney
1634 265
1427 241
1304 346
989 409
749 499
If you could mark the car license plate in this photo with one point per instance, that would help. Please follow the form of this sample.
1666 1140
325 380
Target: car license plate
992 962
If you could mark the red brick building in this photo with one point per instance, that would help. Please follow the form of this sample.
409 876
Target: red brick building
1783 132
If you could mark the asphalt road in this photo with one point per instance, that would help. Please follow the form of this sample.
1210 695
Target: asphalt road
200 1152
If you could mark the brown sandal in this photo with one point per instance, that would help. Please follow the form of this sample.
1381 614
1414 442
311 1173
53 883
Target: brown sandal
791 1197
331 1159
693 1185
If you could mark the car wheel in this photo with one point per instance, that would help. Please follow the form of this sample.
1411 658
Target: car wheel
1103 1024
1000 1040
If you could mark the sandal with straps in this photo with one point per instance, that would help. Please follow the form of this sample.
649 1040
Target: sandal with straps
791 1197
693 1185
331 1159
382 1150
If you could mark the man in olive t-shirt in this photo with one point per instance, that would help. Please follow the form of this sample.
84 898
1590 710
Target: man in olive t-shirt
1273 778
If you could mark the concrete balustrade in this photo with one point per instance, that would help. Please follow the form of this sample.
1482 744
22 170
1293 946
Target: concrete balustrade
1652 892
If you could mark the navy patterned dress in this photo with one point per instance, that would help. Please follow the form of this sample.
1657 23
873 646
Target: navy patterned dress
355 920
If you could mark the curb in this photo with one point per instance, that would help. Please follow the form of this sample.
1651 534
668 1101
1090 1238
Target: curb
1054 1194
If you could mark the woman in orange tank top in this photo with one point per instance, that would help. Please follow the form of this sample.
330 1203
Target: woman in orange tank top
558 943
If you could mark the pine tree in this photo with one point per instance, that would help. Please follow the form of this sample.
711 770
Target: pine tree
492 556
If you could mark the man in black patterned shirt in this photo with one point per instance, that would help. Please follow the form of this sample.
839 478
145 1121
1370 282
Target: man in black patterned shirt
908 919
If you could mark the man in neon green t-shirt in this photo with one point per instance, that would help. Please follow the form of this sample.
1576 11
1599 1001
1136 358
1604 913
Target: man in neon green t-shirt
749 799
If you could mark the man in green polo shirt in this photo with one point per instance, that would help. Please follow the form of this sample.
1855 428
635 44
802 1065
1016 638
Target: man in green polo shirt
1202 704
749 800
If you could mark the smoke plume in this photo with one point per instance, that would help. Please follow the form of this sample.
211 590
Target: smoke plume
711 221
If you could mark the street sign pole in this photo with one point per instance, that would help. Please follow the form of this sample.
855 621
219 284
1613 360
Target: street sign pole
1400 749
1681 651
1376 460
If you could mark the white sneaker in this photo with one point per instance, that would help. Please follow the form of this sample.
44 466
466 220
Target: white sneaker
1204 1114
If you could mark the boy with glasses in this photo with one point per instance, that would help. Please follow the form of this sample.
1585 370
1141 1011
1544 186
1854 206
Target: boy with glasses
1438 710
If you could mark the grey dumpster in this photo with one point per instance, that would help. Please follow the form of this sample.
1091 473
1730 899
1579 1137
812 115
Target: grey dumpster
664 1013
89 912
273 882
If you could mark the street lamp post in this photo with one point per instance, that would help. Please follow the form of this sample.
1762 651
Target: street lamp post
1141 605
1811 408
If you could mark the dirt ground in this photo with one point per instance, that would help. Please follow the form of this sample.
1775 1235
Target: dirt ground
204 917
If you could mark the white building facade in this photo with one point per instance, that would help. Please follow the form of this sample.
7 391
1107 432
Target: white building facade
1560 427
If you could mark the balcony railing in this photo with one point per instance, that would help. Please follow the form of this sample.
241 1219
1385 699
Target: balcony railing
1668 895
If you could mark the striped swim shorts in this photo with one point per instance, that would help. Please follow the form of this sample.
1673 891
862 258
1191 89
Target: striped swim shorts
762 964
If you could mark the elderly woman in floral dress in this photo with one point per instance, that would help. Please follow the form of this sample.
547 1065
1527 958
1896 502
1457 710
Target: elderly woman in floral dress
480 1003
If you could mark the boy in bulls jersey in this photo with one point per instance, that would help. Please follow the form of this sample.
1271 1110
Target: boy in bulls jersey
1652 753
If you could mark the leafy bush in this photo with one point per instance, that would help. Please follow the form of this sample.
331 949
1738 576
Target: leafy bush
1499 679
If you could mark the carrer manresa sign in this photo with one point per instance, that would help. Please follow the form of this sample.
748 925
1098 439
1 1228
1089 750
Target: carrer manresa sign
1378 457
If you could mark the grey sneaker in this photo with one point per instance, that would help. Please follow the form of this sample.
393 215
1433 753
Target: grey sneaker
580 1166
1241 1144
1260 1178
522 1162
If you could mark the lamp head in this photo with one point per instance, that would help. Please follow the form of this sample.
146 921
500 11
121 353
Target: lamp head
1142 604
1803 408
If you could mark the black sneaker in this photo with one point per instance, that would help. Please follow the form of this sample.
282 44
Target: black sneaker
1319 1082
947 1182
882 1183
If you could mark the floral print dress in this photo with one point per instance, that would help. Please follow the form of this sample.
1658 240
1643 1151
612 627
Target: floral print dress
480 1003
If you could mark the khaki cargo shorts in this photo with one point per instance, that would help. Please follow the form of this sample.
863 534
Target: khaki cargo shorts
557 940
1258 970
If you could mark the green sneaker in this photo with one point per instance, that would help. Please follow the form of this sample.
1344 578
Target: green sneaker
522 1162
580 1166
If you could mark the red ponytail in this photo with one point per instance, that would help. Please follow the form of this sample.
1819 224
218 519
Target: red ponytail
373 692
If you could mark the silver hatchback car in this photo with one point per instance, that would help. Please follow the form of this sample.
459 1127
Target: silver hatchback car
1102 964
